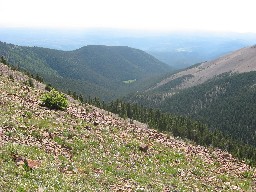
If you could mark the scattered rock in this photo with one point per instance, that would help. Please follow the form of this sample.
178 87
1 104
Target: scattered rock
88 128
46 134
33 164
20 161
40 189
143 148
96 123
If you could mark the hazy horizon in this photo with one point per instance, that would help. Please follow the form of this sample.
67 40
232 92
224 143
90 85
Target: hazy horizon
177 32
160 16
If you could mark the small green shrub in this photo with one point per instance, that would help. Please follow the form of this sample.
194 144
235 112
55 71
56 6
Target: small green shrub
3 60
55 100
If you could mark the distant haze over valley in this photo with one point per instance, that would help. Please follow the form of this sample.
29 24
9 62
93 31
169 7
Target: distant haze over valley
178 49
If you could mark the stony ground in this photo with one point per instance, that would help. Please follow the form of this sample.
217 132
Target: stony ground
87 149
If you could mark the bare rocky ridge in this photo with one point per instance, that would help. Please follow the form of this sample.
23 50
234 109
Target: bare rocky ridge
196 167
243 60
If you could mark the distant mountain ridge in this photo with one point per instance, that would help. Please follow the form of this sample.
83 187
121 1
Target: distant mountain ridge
239 61
91 70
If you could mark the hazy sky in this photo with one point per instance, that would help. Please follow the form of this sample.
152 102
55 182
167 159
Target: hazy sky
158 15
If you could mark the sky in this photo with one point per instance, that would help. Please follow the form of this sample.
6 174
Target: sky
151 15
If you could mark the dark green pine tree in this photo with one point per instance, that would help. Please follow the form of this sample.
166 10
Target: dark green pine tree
3 60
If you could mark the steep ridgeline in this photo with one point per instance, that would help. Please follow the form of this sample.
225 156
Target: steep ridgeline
102 71
84 148
221 93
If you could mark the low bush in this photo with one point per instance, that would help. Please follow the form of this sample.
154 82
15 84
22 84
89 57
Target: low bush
54 100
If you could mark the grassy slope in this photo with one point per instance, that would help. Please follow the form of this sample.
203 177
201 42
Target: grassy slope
85 149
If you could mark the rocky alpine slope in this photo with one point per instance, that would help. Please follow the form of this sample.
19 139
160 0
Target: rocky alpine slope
86 149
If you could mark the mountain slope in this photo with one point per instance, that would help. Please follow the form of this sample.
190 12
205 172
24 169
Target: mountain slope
240 61
92 70
86 149
220 93
226 103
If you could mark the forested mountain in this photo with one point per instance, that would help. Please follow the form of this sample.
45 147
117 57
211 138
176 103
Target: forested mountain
220 93
102 71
